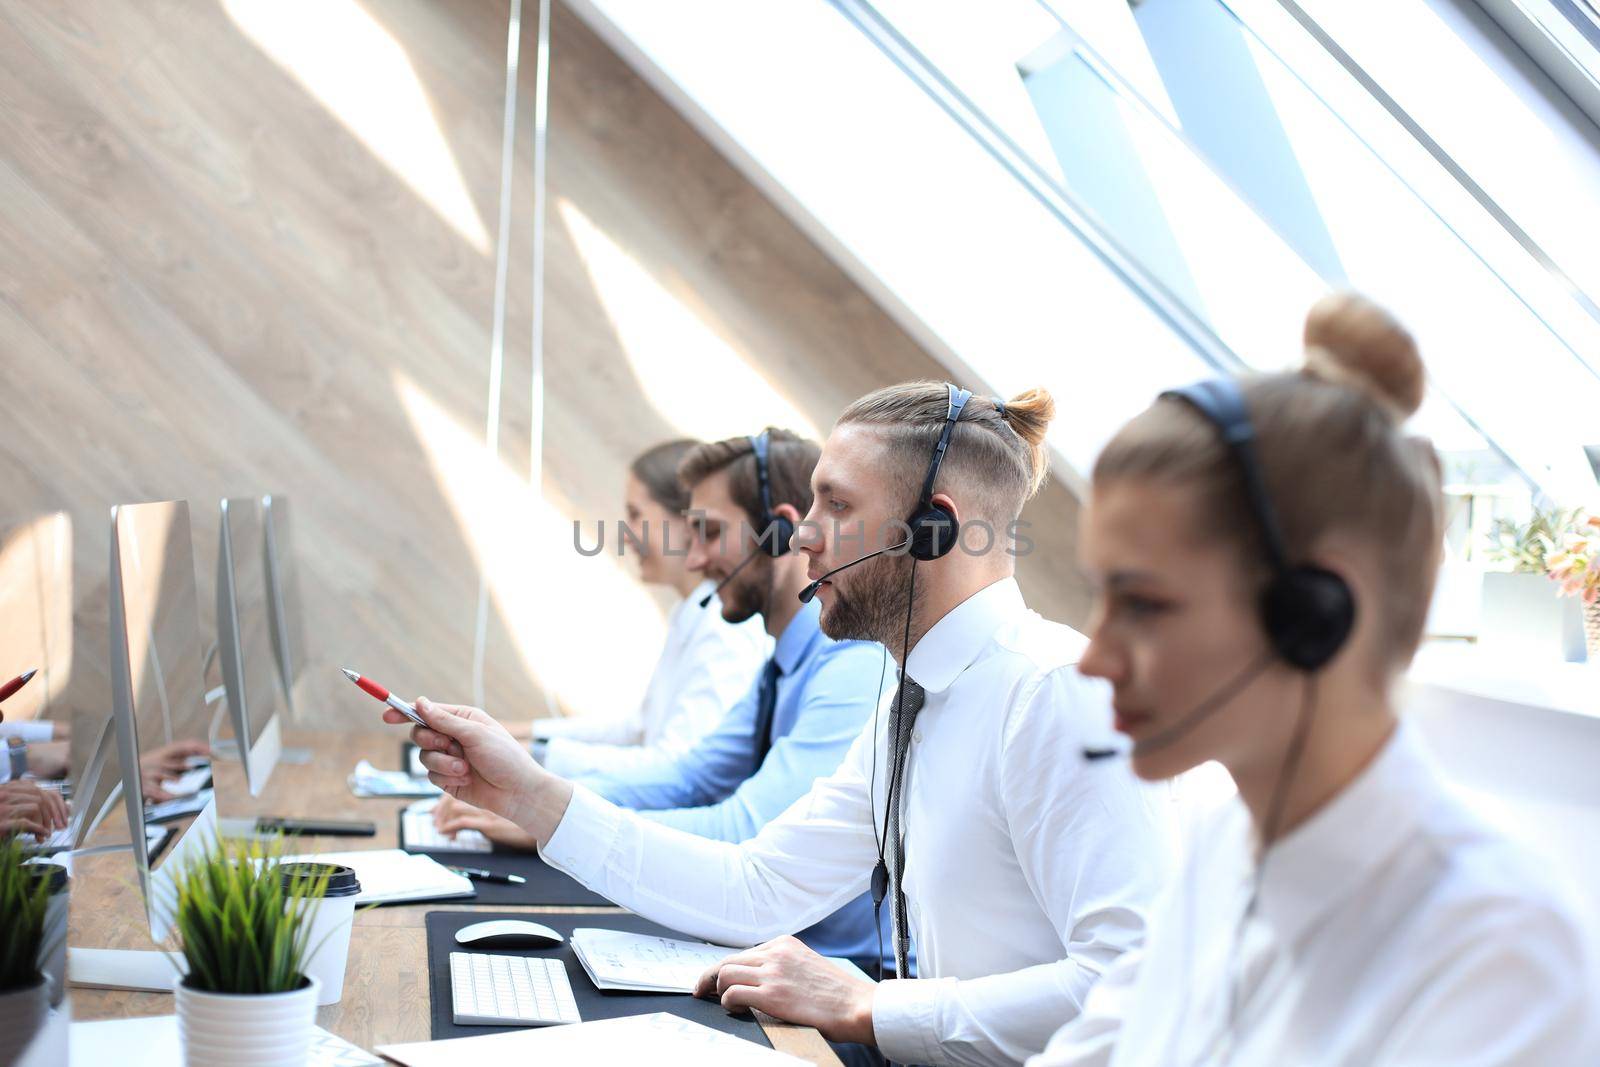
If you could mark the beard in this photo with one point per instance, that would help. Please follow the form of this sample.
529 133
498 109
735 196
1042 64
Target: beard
871 605
748 595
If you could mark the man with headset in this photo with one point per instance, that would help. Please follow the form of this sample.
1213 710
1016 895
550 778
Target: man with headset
806 706
1020 874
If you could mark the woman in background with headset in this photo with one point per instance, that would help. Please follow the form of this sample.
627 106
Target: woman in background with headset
1257 604
706 663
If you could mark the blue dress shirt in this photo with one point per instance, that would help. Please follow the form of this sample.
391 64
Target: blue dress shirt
825 694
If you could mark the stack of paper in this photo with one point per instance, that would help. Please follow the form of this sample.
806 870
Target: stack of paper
641 963
656 1039
390 876
154 1042
367 781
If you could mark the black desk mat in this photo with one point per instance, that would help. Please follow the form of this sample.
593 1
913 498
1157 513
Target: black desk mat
593 1004
545 886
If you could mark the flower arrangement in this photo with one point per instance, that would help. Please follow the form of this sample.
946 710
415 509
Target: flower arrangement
1575 564
1525 547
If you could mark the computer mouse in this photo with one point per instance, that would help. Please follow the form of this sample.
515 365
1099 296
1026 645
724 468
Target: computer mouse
507 933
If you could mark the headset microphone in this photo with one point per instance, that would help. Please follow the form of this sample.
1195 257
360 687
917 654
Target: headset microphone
1180 729
705 600
810 591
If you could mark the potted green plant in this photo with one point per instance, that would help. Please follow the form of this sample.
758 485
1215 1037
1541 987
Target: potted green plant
244 931
1521 614
24 992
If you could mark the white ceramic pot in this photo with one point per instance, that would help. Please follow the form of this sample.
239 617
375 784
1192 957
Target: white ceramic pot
22 1015
1525 618
264 1030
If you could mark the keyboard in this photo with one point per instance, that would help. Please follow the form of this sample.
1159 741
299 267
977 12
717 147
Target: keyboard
189 782
492 990
59 841
418 832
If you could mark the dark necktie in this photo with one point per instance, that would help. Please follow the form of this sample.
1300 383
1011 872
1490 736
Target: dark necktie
766 705
902 719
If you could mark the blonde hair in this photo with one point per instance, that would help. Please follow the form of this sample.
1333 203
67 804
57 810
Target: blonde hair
997 447
1333 454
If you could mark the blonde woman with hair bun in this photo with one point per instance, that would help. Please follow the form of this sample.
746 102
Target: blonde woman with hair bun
1347 908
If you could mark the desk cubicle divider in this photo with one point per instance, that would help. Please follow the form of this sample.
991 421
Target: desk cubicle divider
593 1004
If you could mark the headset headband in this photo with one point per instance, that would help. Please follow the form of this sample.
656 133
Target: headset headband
759 445
1221 403
957 400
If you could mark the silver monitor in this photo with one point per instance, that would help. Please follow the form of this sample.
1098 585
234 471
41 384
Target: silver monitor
36 613
157 693
250 673
283 597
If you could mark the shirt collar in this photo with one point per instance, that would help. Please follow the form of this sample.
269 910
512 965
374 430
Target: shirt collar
1330 855
953 643
798 637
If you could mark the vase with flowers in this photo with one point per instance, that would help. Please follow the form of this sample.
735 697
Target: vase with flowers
1575 568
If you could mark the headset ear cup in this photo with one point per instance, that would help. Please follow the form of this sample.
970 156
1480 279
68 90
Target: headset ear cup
780 536
933 533
1308 613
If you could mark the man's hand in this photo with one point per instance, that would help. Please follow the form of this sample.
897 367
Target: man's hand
473 758
49 759
451 816
788 981
25 808
165 763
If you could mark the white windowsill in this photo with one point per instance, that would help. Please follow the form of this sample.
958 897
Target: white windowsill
1460 667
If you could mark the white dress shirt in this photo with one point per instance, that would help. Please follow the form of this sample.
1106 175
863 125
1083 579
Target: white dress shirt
30 730
706 665
1394 927
1028 872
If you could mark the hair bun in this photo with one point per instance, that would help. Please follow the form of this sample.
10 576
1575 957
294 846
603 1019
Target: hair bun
1352 341
1029 414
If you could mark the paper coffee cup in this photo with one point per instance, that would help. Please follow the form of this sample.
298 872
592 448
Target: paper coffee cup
330 925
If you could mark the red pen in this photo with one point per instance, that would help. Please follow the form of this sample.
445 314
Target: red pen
9 690
378 692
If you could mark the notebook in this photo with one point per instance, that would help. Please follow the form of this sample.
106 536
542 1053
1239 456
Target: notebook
644 963
393 876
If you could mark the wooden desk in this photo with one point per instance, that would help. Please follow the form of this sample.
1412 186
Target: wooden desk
386 984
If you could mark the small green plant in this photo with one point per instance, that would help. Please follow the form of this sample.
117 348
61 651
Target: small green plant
1526 546
24 897
240 928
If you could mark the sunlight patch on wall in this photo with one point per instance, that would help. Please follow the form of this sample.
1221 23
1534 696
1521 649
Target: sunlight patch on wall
698 382
353 67
582 624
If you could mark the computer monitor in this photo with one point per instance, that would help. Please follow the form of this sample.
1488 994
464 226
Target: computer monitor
283 598
250 673
158 705
36 613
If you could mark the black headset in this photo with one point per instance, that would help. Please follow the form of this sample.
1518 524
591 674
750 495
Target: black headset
932 527
775 532
1307 611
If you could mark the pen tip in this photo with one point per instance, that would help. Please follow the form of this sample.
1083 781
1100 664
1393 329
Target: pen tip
30 674
350 674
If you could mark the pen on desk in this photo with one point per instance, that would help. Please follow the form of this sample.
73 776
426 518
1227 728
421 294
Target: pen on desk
378 692
481 875
10 688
